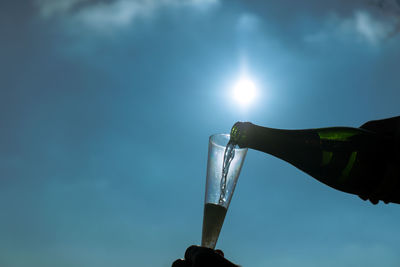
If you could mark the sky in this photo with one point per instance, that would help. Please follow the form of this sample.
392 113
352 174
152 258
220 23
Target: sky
106 107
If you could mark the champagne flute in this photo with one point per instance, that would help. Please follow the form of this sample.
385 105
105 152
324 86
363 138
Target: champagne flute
220 185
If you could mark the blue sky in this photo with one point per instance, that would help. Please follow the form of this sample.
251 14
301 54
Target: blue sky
106 108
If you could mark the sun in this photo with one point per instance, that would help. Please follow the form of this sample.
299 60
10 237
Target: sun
244 92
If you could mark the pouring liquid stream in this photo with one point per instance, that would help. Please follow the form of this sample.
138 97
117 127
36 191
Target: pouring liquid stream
229 154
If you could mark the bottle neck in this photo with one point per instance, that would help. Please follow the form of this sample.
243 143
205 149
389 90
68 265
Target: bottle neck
271 140
293 146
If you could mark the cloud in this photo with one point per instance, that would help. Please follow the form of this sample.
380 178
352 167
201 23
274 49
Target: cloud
362 26
108 14
369 28
49 8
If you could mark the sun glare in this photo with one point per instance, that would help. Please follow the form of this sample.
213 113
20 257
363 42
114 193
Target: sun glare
244 92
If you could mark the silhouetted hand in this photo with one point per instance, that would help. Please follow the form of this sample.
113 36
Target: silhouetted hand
196 256
390 128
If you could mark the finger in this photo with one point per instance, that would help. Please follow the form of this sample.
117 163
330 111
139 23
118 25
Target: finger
208 259
389 126
192 252
220 252
205 257
180 263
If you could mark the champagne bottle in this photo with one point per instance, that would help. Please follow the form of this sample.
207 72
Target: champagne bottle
362 161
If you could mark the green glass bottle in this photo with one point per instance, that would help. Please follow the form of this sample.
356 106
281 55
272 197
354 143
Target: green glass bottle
362 161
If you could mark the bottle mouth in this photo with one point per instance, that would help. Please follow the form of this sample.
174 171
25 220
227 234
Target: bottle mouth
235 132
239 133
221 140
